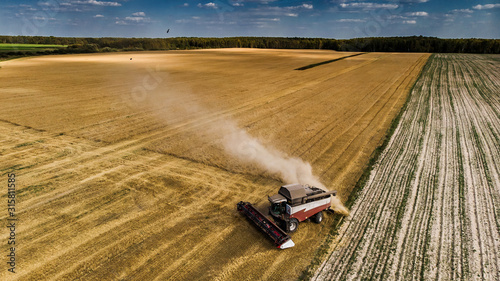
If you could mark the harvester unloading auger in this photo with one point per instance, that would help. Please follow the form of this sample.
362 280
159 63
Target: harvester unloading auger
293 203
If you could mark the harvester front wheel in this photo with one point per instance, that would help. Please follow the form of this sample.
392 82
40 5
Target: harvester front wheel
318 218
292 225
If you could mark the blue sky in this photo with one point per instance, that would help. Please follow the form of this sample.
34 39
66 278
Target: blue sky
218 18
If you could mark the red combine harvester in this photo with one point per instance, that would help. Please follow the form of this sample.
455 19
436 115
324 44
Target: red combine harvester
293 203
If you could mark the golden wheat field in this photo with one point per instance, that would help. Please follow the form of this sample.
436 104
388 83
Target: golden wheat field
128 166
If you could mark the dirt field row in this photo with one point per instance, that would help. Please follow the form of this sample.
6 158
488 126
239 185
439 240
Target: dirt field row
431 209
120 167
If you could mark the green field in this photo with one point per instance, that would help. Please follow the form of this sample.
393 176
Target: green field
6 47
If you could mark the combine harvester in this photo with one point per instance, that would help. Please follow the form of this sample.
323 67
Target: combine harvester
293 203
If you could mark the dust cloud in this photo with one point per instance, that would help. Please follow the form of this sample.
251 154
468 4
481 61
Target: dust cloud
182 106
240 144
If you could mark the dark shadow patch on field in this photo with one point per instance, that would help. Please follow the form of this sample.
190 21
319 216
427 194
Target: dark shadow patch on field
326 62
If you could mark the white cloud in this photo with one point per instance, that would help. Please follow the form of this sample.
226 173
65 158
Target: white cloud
263 21
196 18
98 16
410 22
467 11
185 5
409 1
418 14
238 4
265 2
209 5
27 7
137 19
486 6
392 17
45 4
303 6
350 20
38 18
458 12
99 3
277 11
368 6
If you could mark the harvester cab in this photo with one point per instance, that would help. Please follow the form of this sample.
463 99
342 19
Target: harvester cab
278 206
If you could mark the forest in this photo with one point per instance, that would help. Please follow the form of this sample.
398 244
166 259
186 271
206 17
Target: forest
373 44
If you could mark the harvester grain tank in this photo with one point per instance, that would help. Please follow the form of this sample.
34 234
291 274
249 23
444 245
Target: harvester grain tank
295 203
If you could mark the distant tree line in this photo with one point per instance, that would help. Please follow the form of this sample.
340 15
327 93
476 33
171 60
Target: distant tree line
375 44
